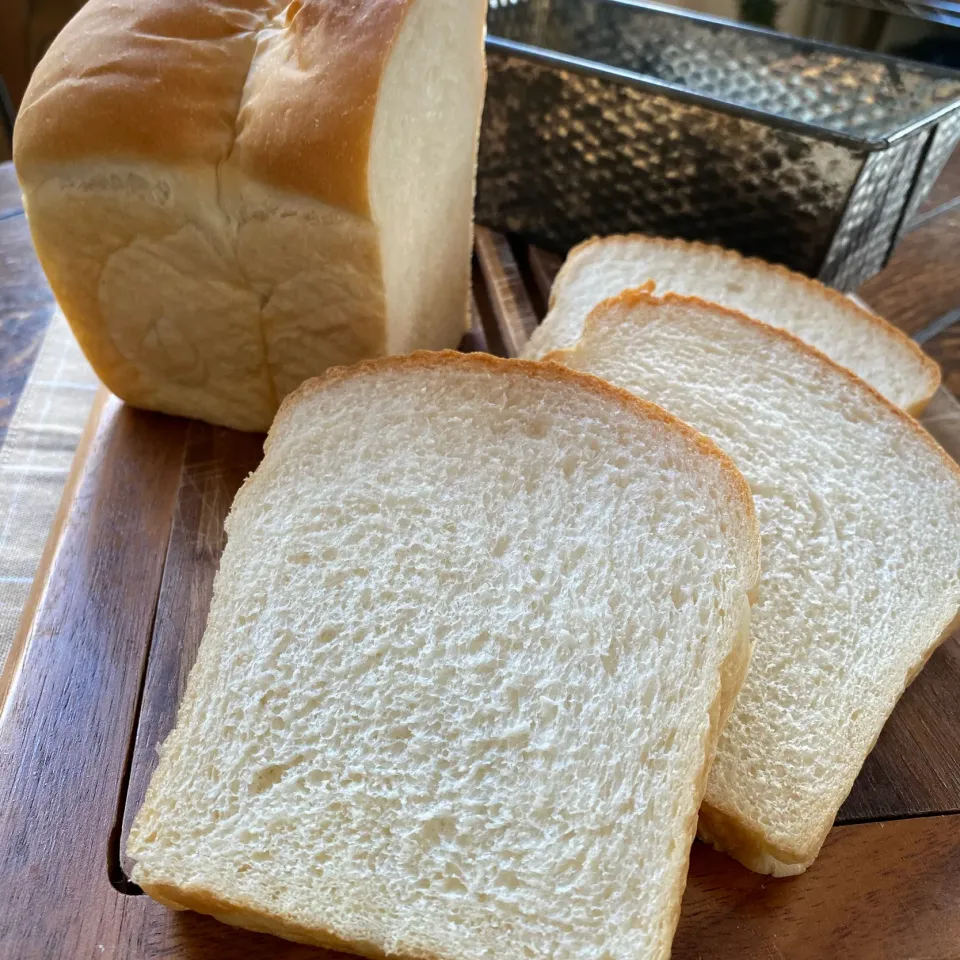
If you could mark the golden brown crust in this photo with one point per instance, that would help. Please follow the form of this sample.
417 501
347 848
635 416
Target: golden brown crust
116 83
884 328
641 296
310 131
197 82
113 369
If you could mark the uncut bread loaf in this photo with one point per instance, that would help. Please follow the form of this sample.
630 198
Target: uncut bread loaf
470 643
851 336
229 197
859 515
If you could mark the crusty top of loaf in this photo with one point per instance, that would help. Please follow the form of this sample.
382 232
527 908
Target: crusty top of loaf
287 91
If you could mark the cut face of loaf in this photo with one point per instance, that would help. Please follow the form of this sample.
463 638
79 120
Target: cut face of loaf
471 637
859 514
228 198
852 337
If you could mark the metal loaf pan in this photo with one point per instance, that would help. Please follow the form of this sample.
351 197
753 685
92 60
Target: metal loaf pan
608 116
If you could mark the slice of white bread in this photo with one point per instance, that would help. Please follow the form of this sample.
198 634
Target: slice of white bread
860 519
228 198
472 635
853 337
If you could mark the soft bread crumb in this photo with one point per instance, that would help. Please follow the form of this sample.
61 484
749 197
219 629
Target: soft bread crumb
860 517
470 641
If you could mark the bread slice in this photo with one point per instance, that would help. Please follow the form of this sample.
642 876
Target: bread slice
230 198
851 336
470 641
860 519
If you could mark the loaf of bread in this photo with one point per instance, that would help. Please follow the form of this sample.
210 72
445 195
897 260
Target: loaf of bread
852 337
860 520
230 197
471 641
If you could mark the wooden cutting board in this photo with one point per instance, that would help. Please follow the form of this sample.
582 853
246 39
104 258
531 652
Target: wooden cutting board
118 611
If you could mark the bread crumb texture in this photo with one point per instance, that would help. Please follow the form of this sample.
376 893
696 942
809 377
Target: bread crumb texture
859 514
462 672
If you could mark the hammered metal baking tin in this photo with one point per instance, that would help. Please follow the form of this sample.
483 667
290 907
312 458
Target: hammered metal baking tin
610 116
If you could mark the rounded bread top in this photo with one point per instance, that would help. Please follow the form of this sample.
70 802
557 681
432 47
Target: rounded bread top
287 92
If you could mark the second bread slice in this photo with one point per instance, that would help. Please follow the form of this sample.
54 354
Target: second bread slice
860 517
470 643
854 338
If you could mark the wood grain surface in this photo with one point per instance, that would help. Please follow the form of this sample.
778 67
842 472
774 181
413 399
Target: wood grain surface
888 890
879 891
512 311
122 612
66 723
119 614
544 267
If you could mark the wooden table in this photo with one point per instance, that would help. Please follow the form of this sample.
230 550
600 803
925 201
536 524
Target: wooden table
120 609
